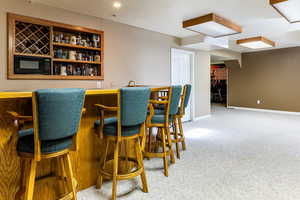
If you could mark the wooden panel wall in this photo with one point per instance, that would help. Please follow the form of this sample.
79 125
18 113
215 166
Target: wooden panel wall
85 161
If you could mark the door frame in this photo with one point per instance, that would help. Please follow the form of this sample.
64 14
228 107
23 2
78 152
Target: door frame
192 56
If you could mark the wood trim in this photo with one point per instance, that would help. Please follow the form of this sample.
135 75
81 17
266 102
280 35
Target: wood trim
102 55
36 55
212 17
10 44
198 20
273 2
52 23
276 1
227 23
256 39
28 94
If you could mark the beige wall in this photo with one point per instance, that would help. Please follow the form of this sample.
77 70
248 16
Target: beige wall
202 84
130 53
270 76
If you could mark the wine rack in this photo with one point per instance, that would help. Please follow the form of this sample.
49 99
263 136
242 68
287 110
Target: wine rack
32 39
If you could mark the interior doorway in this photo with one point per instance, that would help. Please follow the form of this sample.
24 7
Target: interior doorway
219 78
182 63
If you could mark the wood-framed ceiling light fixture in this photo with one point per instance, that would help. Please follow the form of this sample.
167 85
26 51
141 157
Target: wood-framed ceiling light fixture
212 25
289 9
256 43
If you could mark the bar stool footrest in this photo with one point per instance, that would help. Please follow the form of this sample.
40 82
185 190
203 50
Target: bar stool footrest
155 155
68 196
108 174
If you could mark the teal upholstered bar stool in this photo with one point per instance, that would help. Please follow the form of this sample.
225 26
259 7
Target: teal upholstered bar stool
56 118
129 125
162 119
177 133
177 123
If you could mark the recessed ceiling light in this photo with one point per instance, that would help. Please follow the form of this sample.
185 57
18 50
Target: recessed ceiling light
256 43
289 9
117 5
212 25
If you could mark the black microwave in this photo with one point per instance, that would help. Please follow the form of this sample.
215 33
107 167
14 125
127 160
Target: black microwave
32 65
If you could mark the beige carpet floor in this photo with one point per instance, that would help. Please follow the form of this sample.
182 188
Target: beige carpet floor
232 155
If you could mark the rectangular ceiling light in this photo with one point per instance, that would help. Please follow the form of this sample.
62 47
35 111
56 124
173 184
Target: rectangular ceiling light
256 43
289 9
212 25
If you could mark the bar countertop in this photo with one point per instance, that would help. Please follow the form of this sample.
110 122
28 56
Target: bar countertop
15 94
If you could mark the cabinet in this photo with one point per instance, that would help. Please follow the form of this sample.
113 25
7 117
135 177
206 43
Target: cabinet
74 52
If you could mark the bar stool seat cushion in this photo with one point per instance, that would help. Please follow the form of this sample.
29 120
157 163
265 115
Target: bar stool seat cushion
111 130
110 120
110 127
25 132
160 111
26 143
160 119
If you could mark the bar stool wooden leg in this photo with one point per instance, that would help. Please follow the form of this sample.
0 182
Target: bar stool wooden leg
127 154
170 145
60 172
158 135
143 137
30 180
139 157
181 134
163 136
150 140
176 138
115 171
70 176
102 165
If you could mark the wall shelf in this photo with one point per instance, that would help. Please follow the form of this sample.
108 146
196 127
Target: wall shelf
75 61
32 37
76 46
32 55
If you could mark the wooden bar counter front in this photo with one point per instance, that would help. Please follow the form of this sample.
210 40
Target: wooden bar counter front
85 161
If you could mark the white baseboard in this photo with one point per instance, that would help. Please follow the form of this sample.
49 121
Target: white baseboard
265 110
201 117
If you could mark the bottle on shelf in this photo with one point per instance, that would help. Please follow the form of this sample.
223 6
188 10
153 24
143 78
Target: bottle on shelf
73 40
79 42
69 70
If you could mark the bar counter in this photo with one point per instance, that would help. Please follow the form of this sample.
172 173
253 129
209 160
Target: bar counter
85 161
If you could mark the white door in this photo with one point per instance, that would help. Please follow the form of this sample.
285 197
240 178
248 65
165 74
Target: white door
181 68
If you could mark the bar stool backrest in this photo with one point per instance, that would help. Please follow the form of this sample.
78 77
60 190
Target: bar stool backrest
58 112
185 97
175 98
134 103
188 89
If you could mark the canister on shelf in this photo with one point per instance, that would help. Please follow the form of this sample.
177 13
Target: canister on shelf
72 55
97 58
79 56
84 43
73 40
63 71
